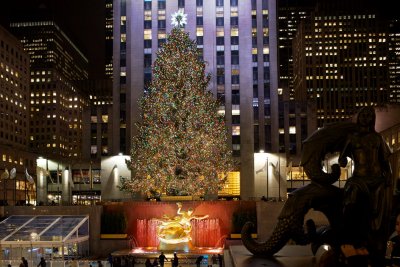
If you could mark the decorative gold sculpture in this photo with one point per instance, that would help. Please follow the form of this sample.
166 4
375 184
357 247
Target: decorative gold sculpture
177 229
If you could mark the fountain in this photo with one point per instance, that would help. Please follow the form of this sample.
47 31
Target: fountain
182 232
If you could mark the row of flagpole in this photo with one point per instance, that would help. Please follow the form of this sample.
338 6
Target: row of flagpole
10 175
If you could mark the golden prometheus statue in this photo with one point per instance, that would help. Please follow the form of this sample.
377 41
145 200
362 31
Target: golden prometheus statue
176 230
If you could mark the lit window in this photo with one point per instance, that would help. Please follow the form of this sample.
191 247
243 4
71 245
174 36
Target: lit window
235 130
235 31
199 31
147 34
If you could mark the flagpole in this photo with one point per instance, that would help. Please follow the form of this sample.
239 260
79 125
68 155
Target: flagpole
58 185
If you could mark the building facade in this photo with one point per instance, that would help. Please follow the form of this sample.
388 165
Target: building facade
340 58
16 160
56 102
237 40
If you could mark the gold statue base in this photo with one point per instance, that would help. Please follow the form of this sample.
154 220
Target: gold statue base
184 246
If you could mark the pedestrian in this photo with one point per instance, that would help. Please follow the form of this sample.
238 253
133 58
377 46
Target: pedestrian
155 262
9 265
214 259
162 259
175 260
148 263
110 260
42 262
220 260
24 262
99 264
199 260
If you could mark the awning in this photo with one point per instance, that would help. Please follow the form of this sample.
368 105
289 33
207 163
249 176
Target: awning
43 230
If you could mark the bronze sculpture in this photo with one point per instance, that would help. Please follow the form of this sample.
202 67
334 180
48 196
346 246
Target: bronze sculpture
358 215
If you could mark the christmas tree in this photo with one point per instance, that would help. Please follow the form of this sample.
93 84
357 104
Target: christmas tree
181 146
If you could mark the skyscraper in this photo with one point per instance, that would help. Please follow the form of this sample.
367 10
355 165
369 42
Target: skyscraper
340 60
14 121
109 38
238 42
56 102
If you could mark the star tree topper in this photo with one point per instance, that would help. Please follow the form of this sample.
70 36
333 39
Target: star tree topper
179 19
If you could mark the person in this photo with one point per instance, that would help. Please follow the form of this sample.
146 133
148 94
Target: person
42 262
110 260
99 264
24 262
214 259
148 263
162 259
220 260
199 260
155 262
364 196
175 260
394 245
9 265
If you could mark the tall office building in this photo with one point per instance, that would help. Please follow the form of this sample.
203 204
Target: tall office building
394 59
340 60
56 101
109 17
96 133
14 122
292 114
238 42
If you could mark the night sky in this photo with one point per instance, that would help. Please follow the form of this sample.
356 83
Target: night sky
81 20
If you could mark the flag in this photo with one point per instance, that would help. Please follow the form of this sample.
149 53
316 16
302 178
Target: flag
29 177
13 173
70 176
82 178
5 174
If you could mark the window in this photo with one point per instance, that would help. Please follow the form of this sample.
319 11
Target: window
199 40
161 4
147 24
181 3
235 79
147 43
235 57
220 21
161 24
234 2
220 40
147 5
234 21
234 40
199 2
147 60
199 21
219 3
220 58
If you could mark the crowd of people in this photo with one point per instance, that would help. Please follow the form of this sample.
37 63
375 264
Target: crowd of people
215 260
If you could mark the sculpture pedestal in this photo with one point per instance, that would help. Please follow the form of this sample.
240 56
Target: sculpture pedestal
184 246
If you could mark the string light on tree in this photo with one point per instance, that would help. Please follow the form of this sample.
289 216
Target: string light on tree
181 146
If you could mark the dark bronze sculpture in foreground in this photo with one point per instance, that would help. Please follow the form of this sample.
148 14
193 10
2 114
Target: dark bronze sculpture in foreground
358 214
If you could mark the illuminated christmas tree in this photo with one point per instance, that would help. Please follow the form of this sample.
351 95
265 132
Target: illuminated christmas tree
181 146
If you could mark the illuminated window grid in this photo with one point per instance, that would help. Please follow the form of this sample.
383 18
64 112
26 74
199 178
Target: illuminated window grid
232 185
